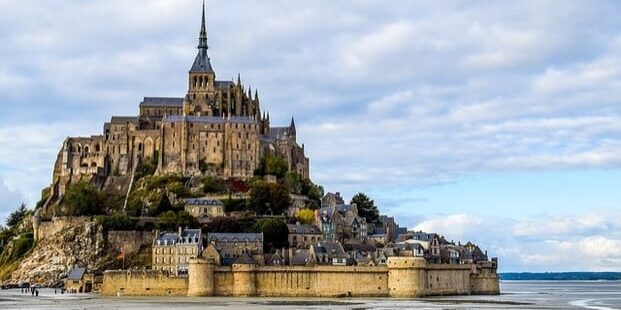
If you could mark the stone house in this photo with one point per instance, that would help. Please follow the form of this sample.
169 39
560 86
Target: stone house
79 280
342 223
332 200
328 252
450 253
172 251
303 235
231 246
204 209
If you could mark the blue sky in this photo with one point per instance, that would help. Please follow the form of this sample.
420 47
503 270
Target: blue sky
498 122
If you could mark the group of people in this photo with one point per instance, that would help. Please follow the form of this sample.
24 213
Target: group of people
32 290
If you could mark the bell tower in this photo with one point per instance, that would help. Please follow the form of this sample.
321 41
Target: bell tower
201 82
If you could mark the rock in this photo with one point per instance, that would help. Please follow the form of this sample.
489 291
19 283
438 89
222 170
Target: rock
52 257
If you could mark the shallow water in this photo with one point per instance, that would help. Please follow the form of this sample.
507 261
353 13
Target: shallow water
515 295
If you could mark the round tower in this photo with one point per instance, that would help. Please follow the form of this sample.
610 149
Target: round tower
244 280
406 276
200 277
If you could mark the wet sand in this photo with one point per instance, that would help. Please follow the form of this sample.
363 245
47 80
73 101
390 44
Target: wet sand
516 295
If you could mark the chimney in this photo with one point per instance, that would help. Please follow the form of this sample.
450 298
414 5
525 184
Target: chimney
297 223
290 256
179 230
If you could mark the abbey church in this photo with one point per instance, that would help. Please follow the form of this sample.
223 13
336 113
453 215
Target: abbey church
216 129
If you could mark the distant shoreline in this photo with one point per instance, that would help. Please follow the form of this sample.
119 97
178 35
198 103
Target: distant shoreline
560 276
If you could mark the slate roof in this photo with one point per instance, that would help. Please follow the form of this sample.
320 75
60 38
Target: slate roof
204 201
123 119
344 208
332 248
235 236
168 238
245 259
303 229
326 214
279 132
300 257
201 62
224 83
161 102
76 273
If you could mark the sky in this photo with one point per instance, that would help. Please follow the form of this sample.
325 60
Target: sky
497 122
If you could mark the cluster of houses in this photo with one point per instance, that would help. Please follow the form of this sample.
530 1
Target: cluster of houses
338 236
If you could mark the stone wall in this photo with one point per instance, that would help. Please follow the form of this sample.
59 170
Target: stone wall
130 241
143 283
403 277
44 229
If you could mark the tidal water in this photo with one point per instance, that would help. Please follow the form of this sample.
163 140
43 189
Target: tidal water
515 295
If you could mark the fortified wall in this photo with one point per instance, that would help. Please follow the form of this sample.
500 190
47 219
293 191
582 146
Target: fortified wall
402 277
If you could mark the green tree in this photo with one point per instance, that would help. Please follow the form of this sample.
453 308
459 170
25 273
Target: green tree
212 185
185 219
82 199
275 233
293 182
223 224
167 220
366 207
268 198
272 164
16 216
116 221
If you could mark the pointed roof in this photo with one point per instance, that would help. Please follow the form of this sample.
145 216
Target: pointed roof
201 62
292 125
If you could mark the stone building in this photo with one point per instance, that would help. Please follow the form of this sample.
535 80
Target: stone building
217 128
204 209
231 246
342 223
303 235
172 251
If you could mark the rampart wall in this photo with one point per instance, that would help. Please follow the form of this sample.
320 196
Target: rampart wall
402 277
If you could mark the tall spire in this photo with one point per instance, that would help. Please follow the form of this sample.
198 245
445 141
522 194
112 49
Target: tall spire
201 62
202 38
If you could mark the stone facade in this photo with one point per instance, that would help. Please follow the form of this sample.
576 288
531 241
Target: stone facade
402 277
172 252
217 129
204 209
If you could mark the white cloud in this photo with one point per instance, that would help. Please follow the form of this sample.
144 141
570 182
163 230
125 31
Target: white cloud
589 241
9 200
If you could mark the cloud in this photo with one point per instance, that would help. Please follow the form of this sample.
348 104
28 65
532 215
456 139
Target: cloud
9 200
539 243
404 95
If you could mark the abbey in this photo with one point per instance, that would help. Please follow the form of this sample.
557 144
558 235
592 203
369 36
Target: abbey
216 129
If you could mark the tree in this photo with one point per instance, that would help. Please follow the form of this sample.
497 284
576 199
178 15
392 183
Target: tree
306 216
275 233
272 164
268 198
185 219
167 220
222 224
212 185
164 205
16 216
366 207
116 221
81 199
293 181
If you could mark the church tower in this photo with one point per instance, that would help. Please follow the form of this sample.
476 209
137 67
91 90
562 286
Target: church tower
201 84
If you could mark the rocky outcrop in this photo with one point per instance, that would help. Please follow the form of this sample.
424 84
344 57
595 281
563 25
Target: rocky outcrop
53 256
